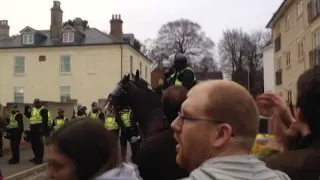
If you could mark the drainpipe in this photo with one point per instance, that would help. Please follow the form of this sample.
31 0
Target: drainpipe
121 61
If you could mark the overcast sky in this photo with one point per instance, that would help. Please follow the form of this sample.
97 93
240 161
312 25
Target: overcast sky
144 17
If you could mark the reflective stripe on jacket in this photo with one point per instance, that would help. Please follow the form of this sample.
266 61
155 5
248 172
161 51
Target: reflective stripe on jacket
36 117
125 116
13 122
111 123
94 115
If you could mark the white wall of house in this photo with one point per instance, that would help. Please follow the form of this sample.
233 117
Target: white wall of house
268 69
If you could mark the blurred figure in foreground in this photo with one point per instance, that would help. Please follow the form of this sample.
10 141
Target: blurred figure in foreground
157 155
84 149
299 135
215 131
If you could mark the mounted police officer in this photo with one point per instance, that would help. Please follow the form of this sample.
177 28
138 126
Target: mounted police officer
95 113
60 120
183 76
38 125
14 132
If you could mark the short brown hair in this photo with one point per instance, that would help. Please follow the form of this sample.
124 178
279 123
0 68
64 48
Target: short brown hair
172 99
231 103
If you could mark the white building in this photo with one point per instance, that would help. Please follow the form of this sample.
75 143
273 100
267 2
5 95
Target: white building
268 68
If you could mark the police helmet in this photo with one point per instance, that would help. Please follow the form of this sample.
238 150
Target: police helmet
178 59
60 110
27 135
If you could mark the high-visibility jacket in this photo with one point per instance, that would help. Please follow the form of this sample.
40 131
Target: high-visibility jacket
125 116
260 146
111 123
59 123
13 123
94 115
177 82
36 117
50 118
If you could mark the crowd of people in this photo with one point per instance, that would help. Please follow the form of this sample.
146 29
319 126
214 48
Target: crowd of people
211 127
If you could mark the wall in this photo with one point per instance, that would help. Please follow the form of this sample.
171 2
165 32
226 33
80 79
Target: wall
95 71
268 68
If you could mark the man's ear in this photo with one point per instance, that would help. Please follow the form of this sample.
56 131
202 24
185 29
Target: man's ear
221 135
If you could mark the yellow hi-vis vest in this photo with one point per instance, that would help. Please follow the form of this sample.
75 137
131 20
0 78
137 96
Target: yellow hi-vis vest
36 118
94 115
50 118
13 122
260 146
111 123
125 116
179 83
59 123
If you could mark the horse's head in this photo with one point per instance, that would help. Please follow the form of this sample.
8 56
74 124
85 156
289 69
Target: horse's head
129 89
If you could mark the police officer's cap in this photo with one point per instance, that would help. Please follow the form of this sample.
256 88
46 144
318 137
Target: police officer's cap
14 106
36 100
94 104
60 110
81 107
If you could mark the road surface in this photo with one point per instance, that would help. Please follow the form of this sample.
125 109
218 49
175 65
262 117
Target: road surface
26 154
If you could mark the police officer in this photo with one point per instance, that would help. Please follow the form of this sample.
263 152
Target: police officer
81 112
95 113
38 124
60 120
183 75
111 122
16 129
167 72
47 129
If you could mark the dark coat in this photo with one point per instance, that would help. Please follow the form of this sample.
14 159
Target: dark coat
301 163
156 159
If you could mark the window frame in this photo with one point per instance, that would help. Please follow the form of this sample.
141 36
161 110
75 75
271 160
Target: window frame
288 21
28 38
300 44
15 65
279 64
15 92
299 8
288 58
68 37
64 96
62 64
146 72
131 63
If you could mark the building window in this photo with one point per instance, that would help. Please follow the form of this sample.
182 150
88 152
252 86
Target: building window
19 95
146 72
68 37
316 38
65 64
301 48
279 64
287 21
131 63
288 58
299 8
27 39
64 93
19 65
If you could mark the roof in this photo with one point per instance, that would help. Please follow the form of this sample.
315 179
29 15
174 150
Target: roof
208 75
285 4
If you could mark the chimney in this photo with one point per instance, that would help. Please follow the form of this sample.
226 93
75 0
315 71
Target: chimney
4 29
56 20
78 24
116 27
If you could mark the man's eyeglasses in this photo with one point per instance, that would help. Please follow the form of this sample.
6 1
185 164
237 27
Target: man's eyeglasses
183 118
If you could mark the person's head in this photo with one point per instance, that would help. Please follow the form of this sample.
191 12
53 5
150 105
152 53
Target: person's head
308 100
167 66
81 110
172 99
37 103
81 150
14 108
94 106
180 61
60 112
218 118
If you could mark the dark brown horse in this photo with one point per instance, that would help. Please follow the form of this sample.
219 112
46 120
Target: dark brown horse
145 103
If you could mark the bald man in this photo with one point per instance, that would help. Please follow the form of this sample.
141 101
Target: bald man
215 131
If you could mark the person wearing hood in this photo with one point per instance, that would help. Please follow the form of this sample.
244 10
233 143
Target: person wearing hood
215 131
83 150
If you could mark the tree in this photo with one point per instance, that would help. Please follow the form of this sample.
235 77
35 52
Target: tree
137 45
72 22
206 64
181 36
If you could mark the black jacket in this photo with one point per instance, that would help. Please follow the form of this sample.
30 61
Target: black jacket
186 77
